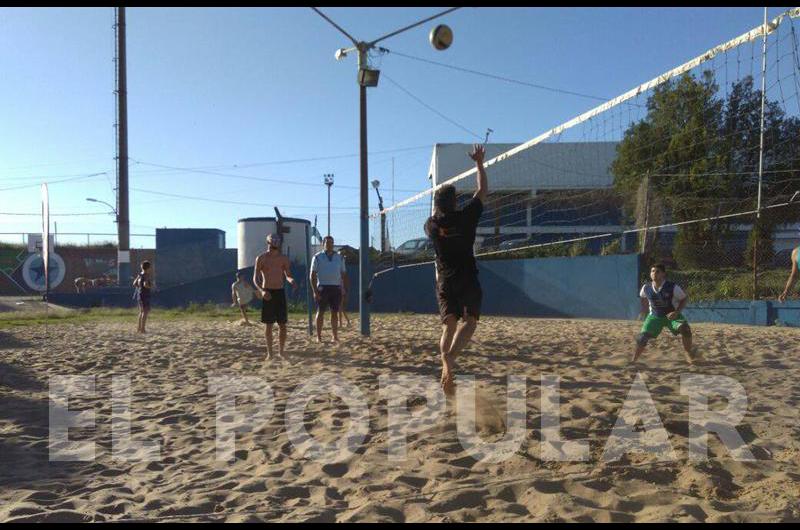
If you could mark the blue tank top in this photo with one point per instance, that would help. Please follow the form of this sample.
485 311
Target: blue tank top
661 300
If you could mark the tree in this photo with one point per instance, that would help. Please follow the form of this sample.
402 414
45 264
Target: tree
701 152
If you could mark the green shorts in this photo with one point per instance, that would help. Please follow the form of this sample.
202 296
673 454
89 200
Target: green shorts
653 325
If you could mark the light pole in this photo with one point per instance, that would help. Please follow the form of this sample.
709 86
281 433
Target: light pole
329 182
376 184
366 78
122 211
116 214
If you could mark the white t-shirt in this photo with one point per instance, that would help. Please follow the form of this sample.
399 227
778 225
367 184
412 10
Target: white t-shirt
678 294
244 293
329 269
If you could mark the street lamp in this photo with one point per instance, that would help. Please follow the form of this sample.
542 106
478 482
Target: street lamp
367 77
376 184
329 182
116 214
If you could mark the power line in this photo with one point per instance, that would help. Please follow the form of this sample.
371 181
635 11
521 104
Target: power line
235 165
39 214
497 77
418 100
223 201
302 160
79 177
331 157
41 177
50 164
243 177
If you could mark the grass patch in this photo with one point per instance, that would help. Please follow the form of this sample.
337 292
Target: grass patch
107 314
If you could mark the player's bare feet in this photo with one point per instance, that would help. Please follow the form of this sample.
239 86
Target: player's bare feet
693 356
447 379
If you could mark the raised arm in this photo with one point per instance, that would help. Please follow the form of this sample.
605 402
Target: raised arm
792 276
477 155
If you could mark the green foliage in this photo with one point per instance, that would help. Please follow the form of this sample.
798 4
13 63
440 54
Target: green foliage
728 283
611 248
762 235
701 152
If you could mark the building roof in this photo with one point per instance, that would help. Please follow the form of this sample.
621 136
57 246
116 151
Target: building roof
273 219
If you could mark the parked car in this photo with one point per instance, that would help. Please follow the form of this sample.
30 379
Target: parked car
414 247
514 242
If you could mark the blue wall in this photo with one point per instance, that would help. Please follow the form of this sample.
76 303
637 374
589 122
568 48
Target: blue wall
758 313
580 287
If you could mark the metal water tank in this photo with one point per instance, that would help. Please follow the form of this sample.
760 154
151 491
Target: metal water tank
252 233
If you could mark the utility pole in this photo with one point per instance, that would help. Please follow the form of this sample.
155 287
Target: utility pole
123 217
366 77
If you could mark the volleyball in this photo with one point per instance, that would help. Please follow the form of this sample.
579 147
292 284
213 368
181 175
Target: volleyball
441 37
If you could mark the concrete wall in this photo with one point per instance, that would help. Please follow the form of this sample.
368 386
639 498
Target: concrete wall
579 287
86 262
192 262
758 313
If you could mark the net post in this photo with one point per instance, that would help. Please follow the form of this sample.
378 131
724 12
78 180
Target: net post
308 282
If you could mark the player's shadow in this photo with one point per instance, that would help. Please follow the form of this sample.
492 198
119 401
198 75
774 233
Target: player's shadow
25 450
8 341
14 377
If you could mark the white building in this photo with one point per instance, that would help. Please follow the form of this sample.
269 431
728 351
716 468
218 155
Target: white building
515 183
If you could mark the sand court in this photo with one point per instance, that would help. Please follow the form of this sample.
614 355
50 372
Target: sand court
267 477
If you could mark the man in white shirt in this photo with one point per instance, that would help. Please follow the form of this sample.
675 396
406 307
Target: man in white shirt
665 301
329 283
241 295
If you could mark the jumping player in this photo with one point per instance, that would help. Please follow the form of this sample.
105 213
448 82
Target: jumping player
458 290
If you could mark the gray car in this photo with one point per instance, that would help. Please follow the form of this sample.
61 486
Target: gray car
414 247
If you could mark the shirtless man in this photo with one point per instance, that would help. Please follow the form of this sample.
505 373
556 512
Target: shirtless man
270 269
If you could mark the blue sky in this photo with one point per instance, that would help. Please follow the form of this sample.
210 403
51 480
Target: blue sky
217 89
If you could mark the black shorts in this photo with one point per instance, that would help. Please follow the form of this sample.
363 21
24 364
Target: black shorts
144 301
274 309
458 295
330 295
